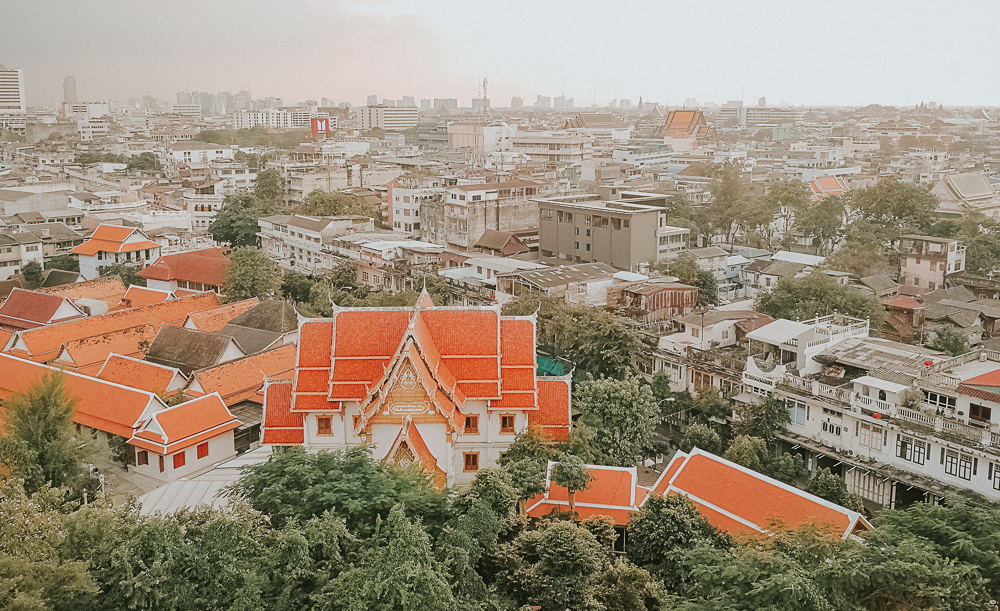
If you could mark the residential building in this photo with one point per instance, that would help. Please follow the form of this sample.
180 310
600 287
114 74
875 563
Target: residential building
623 233
111 244
12 91
193 153
652 301
930 262
297 242
279 118
198 270
581 284
387 118
465 212
16 250
474 282
554 147
410 389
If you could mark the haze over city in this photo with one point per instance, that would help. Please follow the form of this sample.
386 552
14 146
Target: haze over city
834 53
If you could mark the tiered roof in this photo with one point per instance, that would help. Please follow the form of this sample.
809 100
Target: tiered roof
213 319
243 379
143 375
185 425
113 238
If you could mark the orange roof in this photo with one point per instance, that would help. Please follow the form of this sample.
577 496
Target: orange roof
553 408
43 343
410 436
138 374
109 289
753 500
137 296
87 355
213 319
101 405
184 425
614 492
29 309
92 247
242 379
207 266
281 426
112 233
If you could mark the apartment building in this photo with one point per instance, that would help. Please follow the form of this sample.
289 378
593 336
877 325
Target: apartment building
12 91
297 242
930 262
623 233
390 119
554 147
285 118
16 250
193 153
463 214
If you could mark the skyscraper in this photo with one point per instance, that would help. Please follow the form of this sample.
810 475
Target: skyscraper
69 89
516 103
373 100
12 91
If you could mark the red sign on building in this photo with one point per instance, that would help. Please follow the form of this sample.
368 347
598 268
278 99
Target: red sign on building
321 126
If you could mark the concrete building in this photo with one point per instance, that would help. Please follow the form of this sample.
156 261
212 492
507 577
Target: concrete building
930 262
450 104
69 89
279 118
12 91
297 242
554 147
465 212
18 249
623 233
387 119
111 244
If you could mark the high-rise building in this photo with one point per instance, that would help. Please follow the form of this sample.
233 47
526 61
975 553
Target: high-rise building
516 103
387 118
12 91
373 100
625 103
563 102
408 102
425 104
445 103
543 101
69 89
762 103
691 103
480 105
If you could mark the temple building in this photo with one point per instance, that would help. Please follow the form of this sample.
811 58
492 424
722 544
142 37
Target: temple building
445 387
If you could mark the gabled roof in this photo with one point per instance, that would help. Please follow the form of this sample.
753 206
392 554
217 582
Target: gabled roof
740 500
87 355
505 242
44 342
112 238
109 289
614 492
58 277
281 426
243 379
783 269
409 444
214 319
185 425
29 309
250 340
152 377
137 296
271 315
207 266
187 349
685 123
101 405
880 284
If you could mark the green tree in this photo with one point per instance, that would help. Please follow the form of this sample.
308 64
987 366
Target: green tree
554 567
144 162
787 468
128 273
70 263
249 274
38 443
527 476
949 340
664 529
32 273
235 223
823 222
751 452
337 203
623 415
862 253
788 198
295 486
573 475
397 571
296 286
270 188
827 485
819 294
625 587
703 437
34 574
764 420
896 208
685 267
710 406
731 195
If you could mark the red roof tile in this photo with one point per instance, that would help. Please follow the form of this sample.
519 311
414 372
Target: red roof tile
138 374
29 309
517 338
241 379
184 425
553 408
614 492
315 343
137 296
213 319
370 333
281 426
207 266
87 355
108 289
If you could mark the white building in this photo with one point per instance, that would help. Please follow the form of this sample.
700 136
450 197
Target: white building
16 250
93 129
387 118
111 244
296 241
12 91
279 118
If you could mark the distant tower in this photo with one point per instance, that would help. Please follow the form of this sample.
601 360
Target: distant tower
762 103
69 89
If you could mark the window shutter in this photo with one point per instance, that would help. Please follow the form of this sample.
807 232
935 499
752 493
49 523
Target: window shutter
942 456
975 464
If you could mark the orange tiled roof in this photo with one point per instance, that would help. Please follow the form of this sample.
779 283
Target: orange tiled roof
43 343
139 374
207 266
29 309
137 296
108 289
410 435
184 425
614 492
87 355
242 379
99 404
753 500
111 238
281 426
213 319
553 408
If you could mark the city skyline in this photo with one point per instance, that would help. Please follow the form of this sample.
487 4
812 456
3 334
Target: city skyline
848 54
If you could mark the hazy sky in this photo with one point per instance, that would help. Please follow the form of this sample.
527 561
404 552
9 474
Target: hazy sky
803 51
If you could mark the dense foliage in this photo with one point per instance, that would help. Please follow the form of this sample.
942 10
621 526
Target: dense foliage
129 274
235 223
250 274
819 294
256 136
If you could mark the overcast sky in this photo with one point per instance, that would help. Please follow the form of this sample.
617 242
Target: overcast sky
849 52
